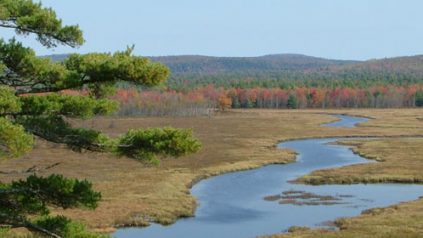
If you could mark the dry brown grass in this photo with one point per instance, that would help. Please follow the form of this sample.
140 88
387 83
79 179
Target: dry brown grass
401 161
135 193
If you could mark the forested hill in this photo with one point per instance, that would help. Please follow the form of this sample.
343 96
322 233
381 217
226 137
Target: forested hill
290 71
197 64
398 65
287 70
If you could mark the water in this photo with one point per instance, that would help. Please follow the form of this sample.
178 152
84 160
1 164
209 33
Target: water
232 205
347 121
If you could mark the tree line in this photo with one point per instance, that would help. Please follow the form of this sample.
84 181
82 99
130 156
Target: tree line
289 80
199 101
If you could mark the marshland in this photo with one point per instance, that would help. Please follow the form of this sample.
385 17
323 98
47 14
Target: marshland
184 119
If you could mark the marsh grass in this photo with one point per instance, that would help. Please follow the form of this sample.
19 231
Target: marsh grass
302 198
402 162
135 194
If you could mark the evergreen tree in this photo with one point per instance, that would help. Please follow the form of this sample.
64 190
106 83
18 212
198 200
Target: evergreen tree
419 99
32 102
292 102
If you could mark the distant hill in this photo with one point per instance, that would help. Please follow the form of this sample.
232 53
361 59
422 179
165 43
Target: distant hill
284 70
197 64
57 57
215 65
397 65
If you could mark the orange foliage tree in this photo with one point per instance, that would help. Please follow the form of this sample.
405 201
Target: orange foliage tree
225 102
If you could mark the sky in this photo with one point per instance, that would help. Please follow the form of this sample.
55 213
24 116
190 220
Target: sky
337 29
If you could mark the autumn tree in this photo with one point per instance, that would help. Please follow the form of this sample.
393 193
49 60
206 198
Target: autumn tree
225 102
32 104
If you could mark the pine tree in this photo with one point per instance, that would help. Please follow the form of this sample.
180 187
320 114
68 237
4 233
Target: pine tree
292 102
32 103
419 99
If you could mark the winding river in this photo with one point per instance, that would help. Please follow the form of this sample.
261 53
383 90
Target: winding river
262 201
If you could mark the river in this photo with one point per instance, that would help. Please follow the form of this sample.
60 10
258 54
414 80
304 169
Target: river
262 201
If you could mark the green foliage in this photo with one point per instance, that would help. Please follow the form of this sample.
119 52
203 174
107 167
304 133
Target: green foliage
26 17
33 74
34 195
66 228
32 100
57 224
56 129
249 104
23 69
103 90
14 141
85 107
36 105
419 99
9 103
4 231
120 66
144 144
65 105
235 103
292 102
55 190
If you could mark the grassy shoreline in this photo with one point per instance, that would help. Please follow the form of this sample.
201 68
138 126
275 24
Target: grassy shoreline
136 194
389 170
400 220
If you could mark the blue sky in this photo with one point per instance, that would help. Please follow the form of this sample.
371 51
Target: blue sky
341 29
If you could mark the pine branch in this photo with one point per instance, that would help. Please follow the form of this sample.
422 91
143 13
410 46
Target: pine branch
6 24
40 229
32 169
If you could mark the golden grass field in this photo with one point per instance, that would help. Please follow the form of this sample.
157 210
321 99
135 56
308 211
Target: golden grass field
136 194
400 162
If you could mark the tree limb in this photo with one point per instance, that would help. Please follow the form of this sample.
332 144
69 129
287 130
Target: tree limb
25 29
53 89
40 229
31 169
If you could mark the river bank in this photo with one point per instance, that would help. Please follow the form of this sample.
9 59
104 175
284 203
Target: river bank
232 141
237 205
400 159
232 205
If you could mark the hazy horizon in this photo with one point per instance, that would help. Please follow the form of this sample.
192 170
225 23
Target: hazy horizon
353 30
253 56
